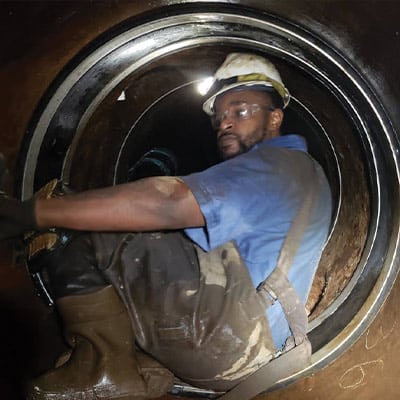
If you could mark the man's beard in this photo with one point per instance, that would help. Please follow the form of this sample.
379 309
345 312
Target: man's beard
242 146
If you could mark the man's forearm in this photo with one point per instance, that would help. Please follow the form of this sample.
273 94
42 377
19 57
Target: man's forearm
148 204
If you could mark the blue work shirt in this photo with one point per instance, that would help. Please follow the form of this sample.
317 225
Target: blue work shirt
252 200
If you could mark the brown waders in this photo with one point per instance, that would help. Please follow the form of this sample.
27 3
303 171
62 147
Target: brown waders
204 321
205 324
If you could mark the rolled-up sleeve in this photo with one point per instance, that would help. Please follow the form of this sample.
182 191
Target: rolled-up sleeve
229 197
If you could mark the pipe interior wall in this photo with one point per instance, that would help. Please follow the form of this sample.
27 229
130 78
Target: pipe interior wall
40 38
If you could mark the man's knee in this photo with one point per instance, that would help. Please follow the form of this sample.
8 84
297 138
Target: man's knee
71 268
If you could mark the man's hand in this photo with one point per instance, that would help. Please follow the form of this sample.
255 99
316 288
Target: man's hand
16 217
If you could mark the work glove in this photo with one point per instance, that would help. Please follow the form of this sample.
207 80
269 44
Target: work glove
16 217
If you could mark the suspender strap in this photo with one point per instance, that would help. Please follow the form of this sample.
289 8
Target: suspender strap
279 288
292 306
277 284
301 219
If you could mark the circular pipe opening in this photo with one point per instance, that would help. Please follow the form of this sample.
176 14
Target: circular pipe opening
136 89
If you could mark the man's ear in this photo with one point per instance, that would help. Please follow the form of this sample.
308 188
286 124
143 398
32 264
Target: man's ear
274 122
276 118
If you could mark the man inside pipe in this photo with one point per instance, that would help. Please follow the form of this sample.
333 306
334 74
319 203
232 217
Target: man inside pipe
160 276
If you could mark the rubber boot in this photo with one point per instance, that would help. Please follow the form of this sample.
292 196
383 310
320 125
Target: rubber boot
103 362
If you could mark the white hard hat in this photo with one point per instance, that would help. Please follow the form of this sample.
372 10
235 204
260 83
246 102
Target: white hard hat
248 70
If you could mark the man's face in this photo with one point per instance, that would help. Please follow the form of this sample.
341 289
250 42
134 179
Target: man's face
242 119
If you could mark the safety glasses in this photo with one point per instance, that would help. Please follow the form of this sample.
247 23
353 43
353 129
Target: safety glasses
237 112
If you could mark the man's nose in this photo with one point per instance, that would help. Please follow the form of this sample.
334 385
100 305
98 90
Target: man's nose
226 123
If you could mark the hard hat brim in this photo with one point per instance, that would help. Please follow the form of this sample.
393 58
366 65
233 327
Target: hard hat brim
208 105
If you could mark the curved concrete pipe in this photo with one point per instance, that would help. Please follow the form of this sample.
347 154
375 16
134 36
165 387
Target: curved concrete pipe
105 99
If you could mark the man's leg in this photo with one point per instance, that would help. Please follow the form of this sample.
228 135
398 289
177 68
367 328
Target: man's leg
103 363
204 321
70 269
